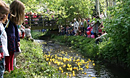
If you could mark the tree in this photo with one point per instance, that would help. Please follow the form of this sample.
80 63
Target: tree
117 27
70 9
97 7
110 3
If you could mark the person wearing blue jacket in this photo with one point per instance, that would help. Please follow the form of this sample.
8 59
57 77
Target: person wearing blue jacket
16 17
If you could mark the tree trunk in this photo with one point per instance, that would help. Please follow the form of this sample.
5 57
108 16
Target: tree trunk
97 7
110 3
105 13
106 3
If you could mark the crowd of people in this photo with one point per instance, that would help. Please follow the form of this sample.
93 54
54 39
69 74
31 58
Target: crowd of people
25 31
33 18
91 28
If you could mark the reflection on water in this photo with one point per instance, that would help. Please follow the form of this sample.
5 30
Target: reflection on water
73 64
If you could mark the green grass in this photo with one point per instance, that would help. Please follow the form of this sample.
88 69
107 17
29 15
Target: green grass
37 34
32 63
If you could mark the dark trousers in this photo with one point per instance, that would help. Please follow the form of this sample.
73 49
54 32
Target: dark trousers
95 35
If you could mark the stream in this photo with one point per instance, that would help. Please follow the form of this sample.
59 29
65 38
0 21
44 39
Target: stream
74 65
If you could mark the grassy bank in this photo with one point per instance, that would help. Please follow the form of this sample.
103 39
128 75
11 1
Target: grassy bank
31 63
36 34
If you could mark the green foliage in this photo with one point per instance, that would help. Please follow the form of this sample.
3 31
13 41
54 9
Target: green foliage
64 10
31 63
117 27
71 9
37 34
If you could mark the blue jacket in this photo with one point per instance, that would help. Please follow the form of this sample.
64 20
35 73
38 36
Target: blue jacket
12 37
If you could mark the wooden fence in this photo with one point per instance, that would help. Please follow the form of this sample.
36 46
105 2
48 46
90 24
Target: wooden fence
39 22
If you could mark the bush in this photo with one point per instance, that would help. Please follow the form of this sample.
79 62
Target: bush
37 34
117 27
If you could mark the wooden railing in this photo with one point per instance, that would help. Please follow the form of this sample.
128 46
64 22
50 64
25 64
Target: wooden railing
40 22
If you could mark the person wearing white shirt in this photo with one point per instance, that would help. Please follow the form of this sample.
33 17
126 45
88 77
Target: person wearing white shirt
4 40
76 25
4 11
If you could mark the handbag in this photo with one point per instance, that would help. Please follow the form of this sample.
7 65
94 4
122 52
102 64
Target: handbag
17 53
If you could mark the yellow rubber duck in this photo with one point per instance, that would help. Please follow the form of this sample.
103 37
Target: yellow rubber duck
78 63
62 71
60 68
64 66
47 59
61 63
93 64
69 65
87 67
53 60
71 69
58 63
75 68
49 63
73 73
50 60
85 73
78 60
67 74
80 68
69 59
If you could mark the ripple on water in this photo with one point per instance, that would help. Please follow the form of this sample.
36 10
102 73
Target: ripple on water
57 52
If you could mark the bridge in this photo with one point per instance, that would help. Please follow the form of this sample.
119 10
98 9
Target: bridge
40 22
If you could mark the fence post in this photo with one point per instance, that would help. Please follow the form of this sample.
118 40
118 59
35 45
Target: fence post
30 20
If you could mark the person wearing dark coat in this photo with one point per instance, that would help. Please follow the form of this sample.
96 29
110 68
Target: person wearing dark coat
16 17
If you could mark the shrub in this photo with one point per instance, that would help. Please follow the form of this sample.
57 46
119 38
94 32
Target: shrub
117 27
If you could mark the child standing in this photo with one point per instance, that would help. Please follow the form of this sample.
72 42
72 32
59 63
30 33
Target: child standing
4 10
16 17
28 33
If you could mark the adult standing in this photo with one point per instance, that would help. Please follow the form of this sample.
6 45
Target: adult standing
95 27
16 17
80 22
76 25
